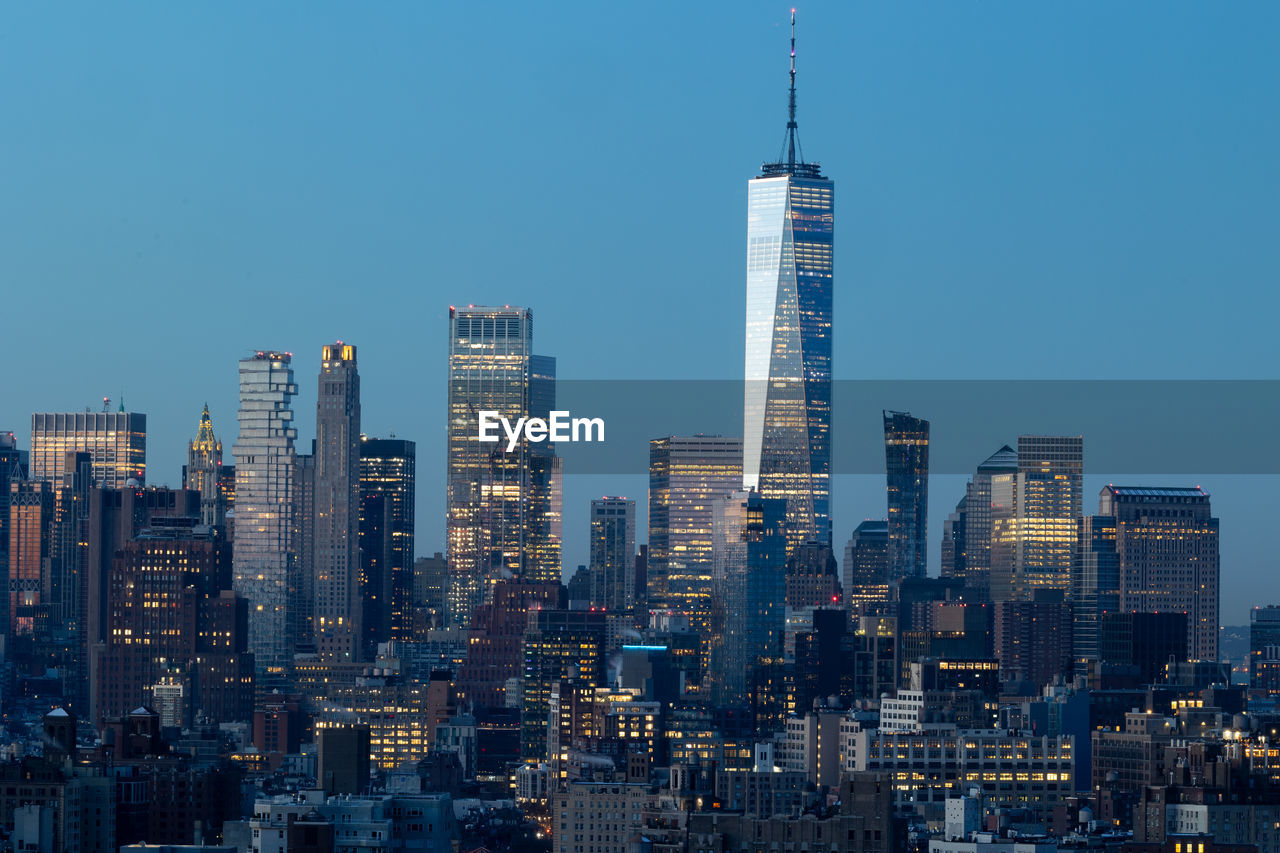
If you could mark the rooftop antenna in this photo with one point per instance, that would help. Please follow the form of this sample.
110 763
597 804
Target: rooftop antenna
791 102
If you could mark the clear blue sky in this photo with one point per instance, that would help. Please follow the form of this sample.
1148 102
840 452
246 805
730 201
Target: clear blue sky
1031 190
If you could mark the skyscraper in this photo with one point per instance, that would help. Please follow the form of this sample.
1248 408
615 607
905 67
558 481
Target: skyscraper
1167 543
336 554
203 471
1033 517
866 564
263 559
387 469
687 475
13 466
954 557
613 554
500 517
30 554
116 441
977 519
1095 586
906 453
749 591
787 402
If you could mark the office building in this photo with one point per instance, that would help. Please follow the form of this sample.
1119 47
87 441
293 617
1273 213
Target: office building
557 644
813 578
1167 542
13 467
336 552
171 625
978 518
1147 642
749 591
263 567
1033 517
1264 649
30 555
302 594
687 474
906 452
954 556
387 472
1033 638
787 405
496 524
613 554
1012 769
866 564
1095 585
116 442
203 471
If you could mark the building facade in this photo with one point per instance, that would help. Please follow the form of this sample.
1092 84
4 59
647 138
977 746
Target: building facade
1167 543
263 562
336 553
686 475
1034 513
388 468
116 442
906 450
502 508
613 554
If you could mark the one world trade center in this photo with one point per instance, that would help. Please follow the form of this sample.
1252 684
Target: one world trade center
787 402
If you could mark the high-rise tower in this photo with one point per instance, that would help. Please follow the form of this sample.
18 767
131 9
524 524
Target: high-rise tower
336 553
263 559
502 508
787 405
906 451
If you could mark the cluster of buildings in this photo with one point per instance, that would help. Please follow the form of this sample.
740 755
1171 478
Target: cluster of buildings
259 660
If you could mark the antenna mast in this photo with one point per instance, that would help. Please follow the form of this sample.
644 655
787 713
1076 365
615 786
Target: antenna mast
791 102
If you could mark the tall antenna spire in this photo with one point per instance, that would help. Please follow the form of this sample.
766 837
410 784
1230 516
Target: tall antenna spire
791 101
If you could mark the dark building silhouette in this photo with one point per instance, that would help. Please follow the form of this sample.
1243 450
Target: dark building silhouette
388 470
343 756
1033 638
906 449
1147 641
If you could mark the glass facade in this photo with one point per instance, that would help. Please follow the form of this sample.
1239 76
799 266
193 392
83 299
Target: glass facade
116 442
1095 585
906 452
263 566
866 564
977 519
1033 517
613 554
387 468
787 405
336 553
502 509
749 588
687 475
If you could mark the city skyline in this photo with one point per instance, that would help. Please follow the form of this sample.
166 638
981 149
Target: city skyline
874 268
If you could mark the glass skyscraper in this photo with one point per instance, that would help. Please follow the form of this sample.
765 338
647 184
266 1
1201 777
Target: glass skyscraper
387 469
1033 517
262 562
748 602
613 554
787 405
116 441
687 475
906 452
502 509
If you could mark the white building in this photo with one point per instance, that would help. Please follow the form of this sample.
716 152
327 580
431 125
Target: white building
598 817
